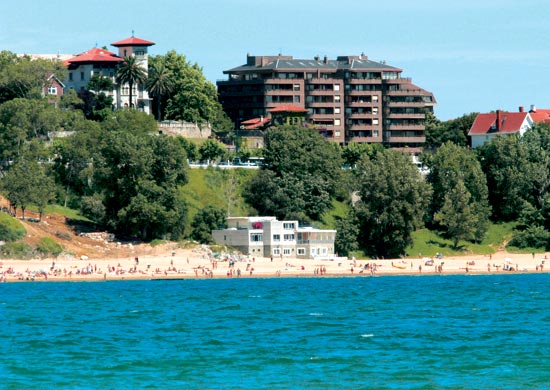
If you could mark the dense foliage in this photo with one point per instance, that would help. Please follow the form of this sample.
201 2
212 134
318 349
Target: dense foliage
300 177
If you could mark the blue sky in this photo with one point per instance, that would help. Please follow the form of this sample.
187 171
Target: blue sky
474 55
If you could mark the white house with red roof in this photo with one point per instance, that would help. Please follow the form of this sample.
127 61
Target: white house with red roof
101 61
488 126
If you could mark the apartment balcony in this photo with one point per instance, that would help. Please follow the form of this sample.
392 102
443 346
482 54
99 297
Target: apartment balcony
363 127
405 116
405 127
363 104
367 93
420 139
272 81
330 80
239 82
322 104
359 139
405 104
362 115
282 92
323 92
364 81
405 92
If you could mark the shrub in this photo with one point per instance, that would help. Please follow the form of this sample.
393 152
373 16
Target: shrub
532 237
10 228
48 246
17 250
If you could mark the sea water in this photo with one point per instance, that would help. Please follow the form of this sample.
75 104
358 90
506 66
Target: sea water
395 332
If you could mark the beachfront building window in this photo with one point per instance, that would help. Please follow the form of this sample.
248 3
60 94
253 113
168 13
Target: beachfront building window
286 251
256 237
277 251
301 251
289 237
276 237
288 226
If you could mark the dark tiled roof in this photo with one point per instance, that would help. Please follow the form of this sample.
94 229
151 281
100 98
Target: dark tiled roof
284 63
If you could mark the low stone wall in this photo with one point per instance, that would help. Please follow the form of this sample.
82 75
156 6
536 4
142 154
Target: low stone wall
185 129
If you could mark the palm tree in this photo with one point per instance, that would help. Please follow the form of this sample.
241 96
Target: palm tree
131 72
160 83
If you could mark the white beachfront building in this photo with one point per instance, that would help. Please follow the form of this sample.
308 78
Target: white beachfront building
266 236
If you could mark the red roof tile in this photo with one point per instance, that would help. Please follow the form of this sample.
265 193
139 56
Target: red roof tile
288 108
133 41
510 122
254 123
94 55
540 115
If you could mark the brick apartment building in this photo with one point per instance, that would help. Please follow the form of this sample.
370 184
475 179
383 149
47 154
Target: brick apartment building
350 99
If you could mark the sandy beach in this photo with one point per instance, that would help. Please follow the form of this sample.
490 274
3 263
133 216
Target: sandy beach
200 262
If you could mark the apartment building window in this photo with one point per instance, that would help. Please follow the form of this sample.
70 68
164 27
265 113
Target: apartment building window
336 110
277 251
256 237
375 98
375 133
337 122
375 121
337 133
81 75
288 226
70 76
286 251
336 87
297 99
301 251
336 98
288 237
276 237
375 110
296 87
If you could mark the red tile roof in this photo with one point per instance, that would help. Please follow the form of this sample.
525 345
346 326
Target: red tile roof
133 41
254 123
510 122
288 108
540 115
94 55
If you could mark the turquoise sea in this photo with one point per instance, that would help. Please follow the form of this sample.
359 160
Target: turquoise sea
393 332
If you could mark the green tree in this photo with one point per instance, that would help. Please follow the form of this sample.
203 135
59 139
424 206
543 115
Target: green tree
453 130
20 183
393 200
450 165
211 150
131 72
193 98
300 174
160 84
206 220
138 176
457 214
23 77
353 152
347 234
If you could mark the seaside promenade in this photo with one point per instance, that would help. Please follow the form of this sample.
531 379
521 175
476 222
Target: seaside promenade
201 263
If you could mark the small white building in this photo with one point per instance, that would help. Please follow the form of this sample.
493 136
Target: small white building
266 237
488 126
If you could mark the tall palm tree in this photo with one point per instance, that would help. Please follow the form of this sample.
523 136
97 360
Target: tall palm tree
131 72
160 83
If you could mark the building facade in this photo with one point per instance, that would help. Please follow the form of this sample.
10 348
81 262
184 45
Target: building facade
266 237
82 67
350 99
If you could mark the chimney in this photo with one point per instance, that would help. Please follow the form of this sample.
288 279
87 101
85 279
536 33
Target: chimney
533 108
325 60
521 109
498 120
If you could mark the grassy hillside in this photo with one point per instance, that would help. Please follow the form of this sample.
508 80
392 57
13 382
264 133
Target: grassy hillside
217 187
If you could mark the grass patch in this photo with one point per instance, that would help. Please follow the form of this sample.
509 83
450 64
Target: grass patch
328 220
428 243
49 247
10 228
66 212
17 250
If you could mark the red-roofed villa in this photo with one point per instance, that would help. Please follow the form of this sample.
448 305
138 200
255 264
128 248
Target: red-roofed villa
488 126
101 61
